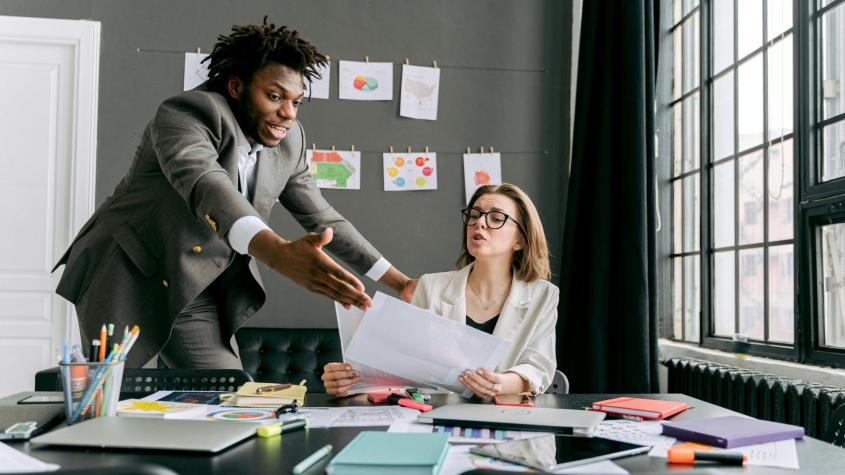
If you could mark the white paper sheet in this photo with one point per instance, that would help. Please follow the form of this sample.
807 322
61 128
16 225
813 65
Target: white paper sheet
196 72
15 461
420 89
335 169
640 433
320 87
365 81
465 435
401 339
481 169
353 416
459 460
409 171
781 454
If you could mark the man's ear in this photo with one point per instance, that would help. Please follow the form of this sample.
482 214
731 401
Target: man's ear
235 87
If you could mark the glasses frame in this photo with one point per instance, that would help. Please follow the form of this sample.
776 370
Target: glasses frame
484 214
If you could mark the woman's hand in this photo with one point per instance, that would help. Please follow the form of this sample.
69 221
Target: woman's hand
338 378
483 382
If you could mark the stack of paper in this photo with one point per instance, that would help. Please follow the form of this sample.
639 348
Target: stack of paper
248 395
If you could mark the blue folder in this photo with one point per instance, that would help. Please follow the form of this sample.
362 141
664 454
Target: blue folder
391 452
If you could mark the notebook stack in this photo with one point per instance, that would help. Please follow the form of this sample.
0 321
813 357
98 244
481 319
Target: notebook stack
390 453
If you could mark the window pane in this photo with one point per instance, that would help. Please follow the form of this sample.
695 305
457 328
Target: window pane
723 204
779 13
780 88
676 11
780 191
691 213
751 293
677 213
691 53
833 63
781 294
678 64
833 269
723 116
723 34
678 299
724 293
692 132
749 26
750 196
750 101
692 297
689 5
677 139
833 151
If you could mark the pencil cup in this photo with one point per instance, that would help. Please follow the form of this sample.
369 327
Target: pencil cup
91 389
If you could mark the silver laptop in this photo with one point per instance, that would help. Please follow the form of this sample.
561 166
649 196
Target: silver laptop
143 433
540 419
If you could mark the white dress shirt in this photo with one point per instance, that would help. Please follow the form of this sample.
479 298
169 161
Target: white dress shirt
247 227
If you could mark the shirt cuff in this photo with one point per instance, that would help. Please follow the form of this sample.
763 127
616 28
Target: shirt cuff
378 269
243 231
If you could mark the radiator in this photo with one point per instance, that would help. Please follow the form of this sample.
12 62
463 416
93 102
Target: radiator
759 395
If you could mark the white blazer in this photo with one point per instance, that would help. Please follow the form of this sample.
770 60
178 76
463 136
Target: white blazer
527 320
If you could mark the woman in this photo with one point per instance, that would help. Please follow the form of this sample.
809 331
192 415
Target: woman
499 289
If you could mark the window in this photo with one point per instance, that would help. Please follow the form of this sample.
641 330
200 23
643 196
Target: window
752 157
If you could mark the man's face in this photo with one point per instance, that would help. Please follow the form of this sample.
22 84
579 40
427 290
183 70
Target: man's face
267 106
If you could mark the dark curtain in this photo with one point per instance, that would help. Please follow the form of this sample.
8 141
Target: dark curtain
607 331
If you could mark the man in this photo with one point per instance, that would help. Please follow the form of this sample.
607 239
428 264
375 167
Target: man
171 248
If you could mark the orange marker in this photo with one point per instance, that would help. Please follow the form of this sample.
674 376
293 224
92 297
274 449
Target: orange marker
684 454
103 337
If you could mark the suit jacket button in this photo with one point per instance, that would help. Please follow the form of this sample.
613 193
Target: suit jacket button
165 284
196 249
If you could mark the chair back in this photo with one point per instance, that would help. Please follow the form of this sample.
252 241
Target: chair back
150 380
560 384
835 432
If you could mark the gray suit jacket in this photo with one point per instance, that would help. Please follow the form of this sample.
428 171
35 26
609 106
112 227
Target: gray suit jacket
161 238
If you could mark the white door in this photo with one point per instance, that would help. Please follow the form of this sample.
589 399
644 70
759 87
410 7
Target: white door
48 137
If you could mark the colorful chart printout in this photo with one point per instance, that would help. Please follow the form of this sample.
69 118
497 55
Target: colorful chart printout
420 89
337 169
410 171
320 87
196 72
242 414
481 169
365 81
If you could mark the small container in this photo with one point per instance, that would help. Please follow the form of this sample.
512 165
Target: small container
94 389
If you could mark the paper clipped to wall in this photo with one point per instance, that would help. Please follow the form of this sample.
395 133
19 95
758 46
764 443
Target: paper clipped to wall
365 81
410 171
481 169
335 169
196 72
319 88
420 90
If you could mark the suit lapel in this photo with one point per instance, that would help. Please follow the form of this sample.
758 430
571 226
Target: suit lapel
265 181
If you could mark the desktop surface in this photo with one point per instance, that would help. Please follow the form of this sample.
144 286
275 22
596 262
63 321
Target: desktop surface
280 454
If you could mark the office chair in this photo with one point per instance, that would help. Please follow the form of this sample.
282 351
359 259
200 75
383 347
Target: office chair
835 432
560 384
150 380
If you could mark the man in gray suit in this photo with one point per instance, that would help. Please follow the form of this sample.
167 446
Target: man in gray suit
171 249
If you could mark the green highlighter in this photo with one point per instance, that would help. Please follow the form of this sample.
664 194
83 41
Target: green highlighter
272 430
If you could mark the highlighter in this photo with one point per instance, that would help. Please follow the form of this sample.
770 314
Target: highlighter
408 402
271 430
683 454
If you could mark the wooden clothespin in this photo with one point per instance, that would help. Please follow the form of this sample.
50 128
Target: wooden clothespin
314 146
426 149
366 59
391 149
482 149
468 151
492 150
407 60
352 148
333 149
199 50
409 149
434 63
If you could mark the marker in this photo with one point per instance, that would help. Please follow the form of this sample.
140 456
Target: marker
684 454
103 338
311 460
95 351
271 430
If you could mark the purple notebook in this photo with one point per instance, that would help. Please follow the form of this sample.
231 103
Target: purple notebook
731 431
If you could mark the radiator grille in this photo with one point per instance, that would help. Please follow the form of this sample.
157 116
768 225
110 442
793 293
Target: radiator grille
759 395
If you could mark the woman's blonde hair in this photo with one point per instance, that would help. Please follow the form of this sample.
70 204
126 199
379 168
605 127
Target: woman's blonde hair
532 261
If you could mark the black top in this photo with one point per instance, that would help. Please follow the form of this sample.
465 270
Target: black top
486 327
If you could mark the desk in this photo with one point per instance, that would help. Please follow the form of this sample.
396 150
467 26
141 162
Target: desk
280 454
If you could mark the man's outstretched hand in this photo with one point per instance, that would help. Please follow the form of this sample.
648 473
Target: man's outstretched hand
304 262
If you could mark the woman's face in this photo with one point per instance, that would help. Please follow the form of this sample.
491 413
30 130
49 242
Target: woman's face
485 242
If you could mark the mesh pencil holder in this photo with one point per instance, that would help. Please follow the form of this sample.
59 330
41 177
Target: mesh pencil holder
91 389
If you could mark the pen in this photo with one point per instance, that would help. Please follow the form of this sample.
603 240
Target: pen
271 430
275 387
312 459
95 351
683 454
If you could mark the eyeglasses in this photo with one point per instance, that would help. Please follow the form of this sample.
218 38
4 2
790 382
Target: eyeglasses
493 219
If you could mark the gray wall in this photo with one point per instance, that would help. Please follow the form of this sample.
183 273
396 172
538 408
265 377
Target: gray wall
417 231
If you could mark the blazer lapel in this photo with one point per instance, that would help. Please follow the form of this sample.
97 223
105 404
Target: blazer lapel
514 310
265 181
453 299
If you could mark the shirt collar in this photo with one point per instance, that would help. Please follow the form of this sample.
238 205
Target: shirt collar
243 144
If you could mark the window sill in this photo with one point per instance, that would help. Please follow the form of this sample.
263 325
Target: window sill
814 374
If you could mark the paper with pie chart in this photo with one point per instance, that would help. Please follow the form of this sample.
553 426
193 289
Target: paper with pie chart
336 169
410 171
420 89
361 81
481 169
196 72
320 87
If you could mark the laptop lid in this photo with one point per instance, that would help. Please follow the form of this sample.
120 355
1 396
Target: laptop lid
147 433
542 419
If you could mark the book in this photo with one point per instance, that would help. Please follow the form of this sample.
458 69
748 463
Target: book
639 407
731 431
161 409
249 396
391 452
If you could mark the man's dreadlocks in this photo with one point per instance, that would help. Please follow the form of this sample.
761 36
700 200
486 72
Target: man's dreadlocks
251 47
